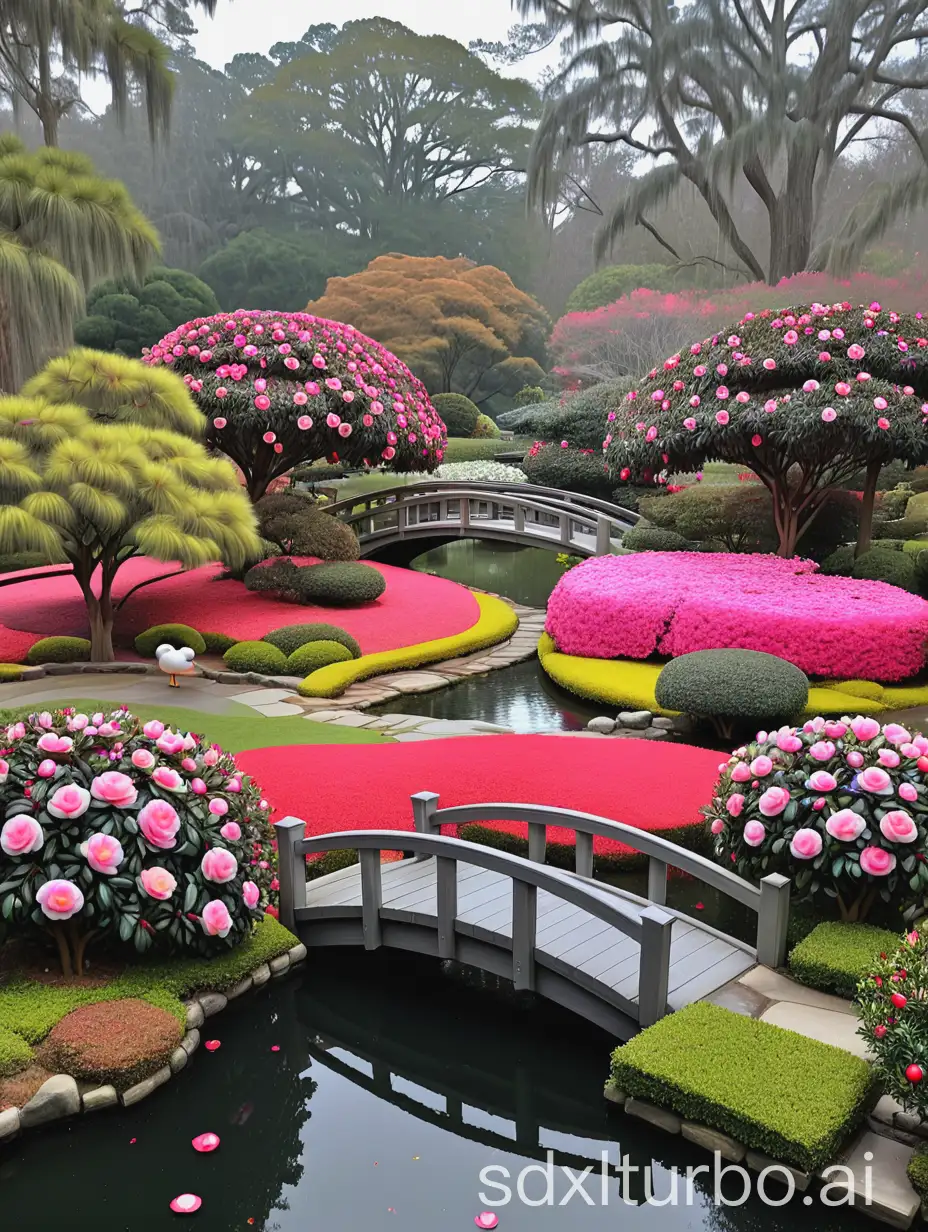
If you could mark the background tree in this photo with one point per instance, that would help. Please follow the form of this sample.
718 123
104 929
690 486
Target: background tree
463 328
61 230
126 318
720 95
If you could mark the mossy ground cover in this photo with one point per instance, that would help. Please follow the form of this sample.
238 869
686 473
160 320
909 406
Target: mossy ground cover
835 955
791 1097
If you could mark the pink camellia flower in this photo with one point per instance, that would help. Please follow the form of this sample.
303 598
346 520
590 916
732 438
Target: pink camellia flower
788 741
770 364
210 757
829 414
761 766
159 824
855 759
735 804
722 417
806 844
814 725
822 750
50 743
198 787
219 865
842 389
898 827
874 779
790 337
773 801
908 791
689 424
143 759
215 919
218 807
21 835
821 780
250 893
889 758
845 825
170 742
69 802
834 729
115 788
741 773
169 779
304 423
103 853
189 765
46 720
910 750
718 825
877 861
895 733
855 352
233 784
865 728
47 768
4 771
60 899
754 833
77 722
231 831
153 729
882 423
157 883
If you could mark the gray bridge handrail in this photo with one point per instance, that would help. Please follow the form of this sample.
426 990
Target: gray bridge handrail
650 927
770 900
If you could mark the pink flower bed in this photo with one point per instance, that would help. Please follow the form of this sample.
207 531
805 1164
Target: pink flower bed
671 603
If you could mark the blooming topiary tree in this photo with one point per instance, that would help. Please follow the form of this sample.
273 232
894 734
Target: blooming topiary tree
806 398
283 388
840 806
119 830
893 1007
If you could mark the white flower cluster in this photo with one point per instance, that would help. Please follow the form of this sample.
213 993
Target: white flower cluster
479 472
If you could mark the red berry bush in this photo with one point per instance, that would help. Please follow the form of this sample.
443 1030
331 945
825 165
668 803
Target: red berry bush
128 832
893 1007
283 388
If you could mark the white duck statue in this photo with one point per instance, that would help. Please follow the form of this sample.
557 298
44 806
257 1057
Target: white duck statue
176 662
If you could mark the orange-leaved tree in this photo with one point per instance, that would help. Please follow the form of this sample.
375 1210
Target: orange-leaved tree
461 327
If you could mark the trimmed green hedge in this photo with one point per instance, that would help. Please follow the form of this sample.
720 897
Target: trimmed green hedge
291 637
747 684
653 539
917 1171
793 1098
316 654
342 585
256 657
458 413
217 643
330 862
59 650
834 955
174 635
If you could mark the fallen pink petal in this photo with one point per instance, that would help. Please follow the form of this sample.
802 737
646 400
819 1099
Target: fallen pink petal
187 1203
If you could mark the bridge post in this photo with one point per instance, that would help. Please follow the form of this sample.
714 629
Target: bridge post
524 921
518 518
371 897
446 895
291 869
654 965
464 512
657 881
772 920
424 808
603 536
537 841
583 854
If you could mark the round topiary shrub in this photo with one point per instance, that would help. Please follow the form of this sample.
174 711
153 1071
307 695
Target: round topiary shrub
295 525
485 429
458 413
839 806
258 657
277 577
341 585
727 685
174 635
217 643
896 568
528 395
894 1023
292 637
59 650
118 1042
128 832
653 539
316 654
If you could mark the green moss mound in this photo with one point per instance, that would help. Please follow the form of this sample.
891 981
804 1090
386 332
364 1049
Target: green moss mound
316 654
291 637
256 657
173 635
217 643
742 684
834 956
15 1053
749 1079
485 429
342 585
653 539
917 1171
458 412
59 650
330 862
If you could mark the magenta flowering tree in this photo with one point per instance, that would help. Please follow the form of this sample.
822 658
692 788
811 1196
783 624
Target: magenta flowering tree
118 830
805 398
838 805
279 389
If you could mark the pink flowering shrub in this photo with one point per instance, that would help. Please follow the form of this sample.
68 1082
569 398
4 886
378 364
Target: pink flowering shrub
283 388
652 603
840 806
129 832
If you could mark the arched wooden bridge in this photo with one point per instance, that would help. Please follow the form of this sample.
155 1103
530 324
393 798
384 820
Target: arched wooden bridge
520 513
619 960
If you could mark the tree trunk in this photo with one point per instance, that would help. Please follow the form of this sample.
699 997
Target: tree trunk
8 381
865 526
100 615
791 222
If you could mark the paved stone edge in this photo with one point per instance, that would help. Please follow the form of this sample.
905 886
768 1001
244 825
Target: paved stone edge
72 1098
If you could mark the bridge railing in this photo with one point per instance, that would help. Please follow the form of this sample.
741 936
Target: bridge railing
770 899
650 927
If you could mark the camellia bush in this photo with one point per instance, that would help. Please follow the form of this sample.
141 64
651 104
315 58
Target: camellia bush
672 603
893 1005
115 830
558 464
840 806
279 389
805 398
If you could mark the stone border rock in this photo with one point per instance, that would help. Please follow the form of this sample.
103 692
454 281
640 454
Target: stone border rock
640 723
63 1096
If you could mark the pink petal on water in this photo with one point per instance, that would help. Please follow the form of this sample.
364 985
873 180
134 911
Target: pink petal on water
275 1047
186 1204
212 1045
486 1219
204 1143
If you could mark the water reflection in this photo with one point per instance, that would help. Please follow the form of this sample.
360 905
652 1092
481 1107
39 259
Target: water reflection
527 575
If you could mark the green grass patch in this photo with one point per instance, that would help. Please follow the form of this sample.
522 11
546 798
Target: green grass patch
791 1097
15 1053
464 449
835 956
29 1009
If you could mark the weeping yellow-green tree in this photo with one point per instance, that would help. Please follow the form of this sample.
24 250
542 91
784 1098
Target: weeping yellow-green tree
98 493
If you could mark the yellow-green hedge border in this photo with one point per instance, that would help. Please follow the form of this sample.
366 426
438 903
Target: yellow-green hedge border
496 622
629 683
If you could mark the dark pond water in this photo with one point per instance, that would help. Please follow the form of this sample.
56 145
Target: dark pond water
527 575
397 1081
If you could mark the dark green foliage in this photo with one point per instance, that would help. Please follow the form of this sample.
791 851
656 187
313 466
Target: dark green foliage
59 650
579 419
881 564
342 585
258 657
574 470
749 1079
630 496
458 412
653 539
330 862
485 429
611 283
917 1171
892 504
738 517
835 957
11 562
217 643
316 654
901 528
529 394
126 319
732 684
279 577
174 635
296 525
291 637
